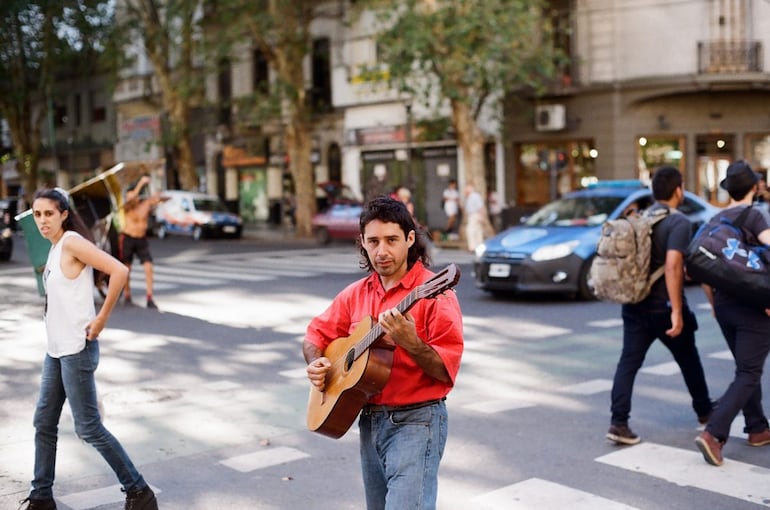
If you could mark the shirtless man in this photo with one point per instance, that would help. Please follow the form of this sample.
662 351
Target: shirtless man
133 239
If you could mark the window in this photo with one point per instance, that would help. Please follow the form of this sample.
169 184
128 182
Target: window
561 21
321 93
225 92
98 107
261 73
59 115
78 110
655 151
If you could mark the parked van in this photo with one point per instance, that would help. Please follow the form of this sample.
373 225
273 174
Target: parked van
195 214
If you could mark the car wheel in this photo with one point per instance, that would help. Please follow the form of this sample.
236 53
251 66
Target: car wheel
322 236
162 231
197 232
6 256
585 291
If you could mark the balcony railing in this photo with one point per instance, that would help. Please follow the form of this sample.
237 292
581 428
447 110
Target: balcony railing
729 57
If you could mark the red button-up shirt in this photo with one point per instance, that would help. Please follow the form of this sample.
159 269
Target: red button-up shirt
438 322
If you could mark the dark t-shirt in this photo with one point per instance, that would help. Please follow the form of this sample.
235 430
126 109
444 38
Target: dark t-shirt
756 221
671 233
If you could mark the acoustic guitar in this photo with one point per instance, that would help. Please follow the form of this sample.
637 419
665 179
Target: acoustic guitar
361 364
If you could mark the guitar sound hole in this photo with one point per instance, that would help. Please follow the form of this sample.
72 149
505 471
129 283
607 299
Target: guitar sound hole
349 359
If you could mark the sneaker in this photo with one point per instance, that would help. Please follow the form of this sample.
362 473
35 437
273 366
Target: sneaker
710 447
38 504
760 438
151 304
143 499
621 434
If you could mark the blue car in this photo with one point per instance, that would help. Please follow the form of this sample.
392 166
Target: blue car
551 251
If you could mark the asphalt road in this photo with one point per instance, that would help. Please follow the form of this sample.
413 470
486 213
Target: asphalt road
208 396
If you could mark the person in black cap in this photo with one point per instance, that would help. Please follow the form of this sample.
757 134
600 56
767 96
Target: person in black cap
745 330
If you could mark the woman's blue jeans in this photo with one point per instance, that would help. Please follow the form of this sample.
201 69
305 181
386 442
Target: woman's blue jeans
400 456
72 378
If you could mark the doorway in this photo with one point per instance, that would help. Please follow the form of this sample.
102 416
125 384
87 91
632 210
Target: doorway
711 171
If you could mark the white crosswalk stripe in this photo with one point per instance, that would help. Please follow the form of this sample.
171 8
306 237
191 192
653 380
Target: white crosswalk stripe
736 479
96 497
536 494
250 267
264 458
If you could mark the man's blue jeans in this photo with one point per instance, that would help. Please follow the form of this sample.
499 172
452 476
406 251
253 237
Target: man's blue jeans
72 378
641 327
400 456
747 333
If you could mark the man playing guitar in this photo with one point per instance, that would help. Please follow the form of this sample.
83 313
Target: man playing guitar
403 428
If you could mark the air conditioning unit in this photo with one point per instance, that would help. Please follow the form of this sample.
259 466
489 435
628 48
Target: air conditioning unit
550 117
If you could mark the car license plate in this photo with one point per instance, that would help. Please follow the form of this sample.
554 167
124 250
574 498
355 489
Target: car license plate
228 229
499 270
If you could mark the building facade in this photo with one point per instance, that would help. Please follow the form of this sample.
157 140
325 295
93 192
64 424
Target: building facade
652 83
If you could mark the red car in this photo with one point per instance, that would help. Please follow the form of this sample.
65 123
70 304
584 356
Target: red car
338 222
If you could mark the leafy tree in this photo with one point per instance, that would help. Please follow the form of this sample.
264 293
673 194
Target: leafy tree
169 32
280 30
27 55
42 41
468 52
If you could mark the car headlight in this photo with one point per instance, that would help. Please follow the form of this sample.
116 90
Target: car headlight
480 250
554 251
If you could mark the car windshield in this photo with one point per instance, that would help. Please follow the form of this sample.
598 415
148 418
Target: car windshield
209 204
575 211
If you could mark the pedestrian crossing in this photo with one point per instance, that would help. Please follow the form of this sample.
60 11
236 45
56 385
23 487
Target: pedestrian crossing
681 468
686 468
227 269
674 468
192 269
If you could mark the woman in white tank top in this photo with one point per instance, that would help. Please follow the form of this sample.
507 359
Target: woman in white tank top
73 326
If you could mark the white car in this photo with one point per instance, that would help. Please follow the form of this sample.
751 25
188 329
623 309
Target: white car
195 214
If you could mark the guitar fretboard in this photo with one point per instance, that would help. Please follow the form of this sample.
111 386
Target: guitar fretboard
377 332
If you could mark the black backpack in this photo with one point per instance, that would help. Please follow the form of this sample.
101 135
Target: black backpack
723 255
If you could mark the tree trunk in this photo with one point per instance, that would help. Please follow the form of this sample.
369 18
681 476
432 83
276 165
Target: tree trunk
174 77
471 141
185 164
470 138
25 136
299 145
288 61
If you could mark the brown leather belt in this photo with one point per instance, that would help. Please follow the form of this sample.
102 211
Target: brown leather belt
377 408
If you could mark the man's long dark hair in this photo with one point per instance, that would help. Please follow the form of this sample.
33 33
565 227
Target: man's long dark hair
389 210
74 221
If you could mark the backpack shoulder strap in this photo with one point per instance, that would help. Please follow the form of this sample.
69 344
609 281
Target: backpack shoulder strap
741 219
657 215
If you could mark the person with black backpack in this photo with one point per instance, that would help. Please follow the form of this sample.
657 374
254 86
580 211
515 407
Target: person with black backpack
663 314
745 328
